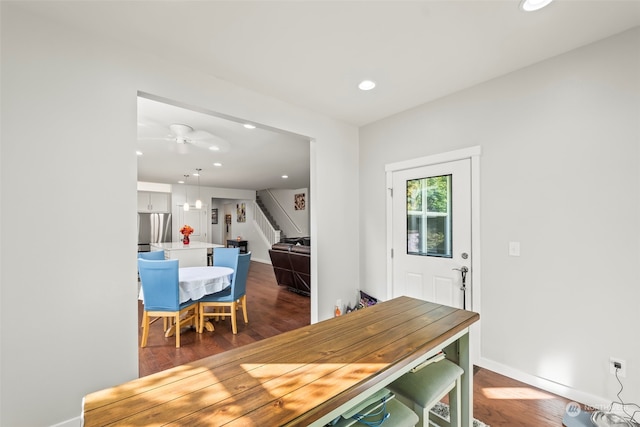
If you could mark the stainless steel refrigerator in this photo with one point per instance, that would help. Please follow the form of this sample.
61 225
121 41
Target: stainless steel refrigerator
153 228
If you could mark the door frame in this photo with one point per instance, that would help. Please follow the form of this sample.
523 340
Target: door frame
473 153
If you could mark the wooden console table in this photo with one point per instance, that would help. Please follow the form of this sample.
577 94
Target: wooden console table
242 244
307 376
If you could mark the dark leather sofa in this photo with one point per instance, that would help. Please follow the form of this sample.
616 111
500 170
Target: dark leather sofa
292 265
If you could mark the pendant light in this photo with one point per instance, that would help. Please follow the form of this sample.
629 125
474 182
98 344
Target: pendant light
198 202
186 194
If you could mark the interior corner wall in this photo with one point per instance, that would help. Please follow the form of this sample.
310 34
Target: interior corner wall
69 117
560 173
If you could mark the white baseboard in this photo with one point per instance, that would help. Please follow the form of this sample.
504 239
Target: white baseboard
263 261
73 422
567 392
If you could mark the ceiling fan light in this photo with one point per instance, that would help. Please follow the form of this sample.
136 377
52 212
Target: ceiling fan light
366 85
533 5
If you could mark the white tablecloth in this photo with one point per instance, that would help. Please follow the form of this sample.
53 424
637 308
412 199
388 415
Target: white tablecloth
196 282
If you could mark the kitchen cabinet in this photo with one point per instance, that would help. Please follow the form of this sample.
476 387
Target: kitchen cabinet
151 201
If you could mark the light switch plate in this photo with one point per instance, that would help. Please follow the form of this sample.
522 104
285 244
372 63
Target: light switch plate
514 248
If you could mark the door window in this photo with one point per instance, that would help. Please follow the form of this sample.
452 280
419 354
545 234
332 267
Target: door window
429 216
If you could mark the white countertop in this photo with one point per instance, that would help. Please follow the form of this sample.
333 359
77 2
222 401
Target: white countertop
171 246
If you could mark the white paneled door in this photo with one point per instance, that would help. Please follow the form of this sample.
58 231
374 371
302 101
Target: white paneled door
431 233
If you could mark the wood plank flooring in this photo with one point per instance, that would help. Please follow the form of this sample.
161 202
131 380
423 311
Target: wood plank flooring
498 400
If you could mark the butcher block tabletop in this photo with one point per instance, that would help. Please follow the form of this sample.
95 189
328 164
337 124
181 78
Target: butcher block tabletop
293 379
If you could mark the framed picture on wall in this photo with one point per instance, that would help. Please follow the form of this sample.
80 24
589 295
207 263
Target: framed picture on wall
214 216
299 202
241 212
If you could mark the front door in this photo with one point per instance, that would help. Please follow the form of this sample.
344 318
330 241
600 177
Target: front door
431 233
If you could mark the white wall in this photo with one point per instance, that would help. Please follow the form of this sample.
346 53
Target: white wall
560 173
217 230
68 304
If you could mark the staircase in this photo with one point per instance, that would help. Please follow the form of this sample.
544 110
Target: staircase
266 213
266 224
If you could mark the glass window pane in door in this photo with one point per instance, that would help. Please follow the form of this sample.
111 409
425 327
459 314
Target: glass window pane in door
429 216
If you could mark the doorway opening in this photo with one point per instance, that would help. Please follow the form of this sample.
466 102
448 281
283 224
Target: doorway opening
234 159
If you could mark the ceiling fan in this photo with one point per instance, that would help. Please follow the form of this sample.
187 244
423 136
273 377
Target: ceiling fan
184 136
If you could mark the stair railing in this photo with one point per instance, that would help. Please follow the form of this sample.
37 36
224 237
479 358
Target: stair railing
283 211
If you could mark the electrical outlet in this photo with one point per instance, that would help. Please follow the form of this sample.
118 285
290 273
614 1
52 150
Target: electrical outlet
619 365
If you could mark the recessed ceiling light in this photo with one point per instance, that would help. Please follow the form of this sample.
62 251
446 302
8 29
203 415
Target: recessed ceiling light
533 5
214 148
366 85
249 126
180 182
139 153
285 176
217 164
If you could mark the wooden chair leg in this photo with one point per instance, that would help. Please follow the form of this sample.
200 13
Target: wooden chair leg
178 329
234 325
145 329
201 318
243 300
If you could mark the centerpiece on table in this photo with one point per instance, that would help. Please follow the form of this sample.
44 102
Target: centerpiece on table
186 230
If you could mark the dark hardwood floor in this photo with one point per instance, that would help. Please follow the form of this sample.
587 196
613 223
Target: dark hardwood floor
272 310
498 400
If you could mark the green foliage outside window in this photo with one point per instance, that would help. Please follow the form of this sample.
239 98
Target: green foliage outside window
426 225
437 194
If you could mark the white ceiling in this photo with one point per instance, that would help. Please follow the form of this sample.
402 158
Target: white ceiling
252 159
314 53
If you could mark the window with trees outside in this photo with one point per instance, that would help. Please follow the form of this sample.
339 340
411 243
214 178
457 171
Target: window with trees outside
429 216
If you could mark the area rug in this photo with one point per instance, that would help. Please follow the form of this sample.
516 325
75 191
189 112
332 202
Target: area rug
442 409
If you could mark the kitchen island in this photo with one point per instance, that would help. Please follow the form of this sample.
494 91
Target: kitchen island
192 255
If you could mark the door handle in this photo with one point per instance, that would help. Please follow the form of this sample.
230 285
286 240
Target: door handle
463 272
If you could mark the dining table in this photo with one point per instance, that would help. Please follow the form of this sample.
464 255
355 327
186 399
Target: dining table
196 282
305 377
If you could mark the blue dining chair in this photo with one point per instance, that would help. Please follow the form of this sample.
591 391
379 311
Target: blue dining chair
160 286
226 257
229 297
153 255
